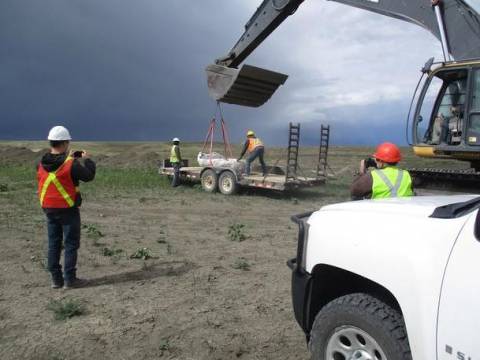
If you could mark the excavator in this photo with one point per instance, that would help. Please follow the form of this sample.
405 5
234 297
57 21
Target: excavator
444 116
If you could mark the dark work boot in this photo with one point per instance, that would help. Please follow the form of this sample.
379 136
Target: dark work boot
75 283
57 283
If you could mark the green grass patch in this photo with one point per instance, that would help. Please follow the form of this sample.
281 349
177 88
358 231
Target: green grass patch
164 345
241 264
111 251
236 232
120 179
66 309
92 231
142 253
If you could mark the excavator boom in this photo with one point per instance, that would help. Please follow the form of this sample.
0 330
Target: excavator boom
456 23
269 15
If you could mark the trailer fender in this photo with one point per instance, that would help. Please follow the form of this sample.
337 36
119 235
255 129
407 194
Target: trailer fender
221 171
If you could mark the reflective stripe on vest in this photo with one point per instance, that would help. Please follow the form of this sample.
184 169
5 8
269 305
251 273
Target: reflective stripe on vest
391 182
52 178
173 155
254 143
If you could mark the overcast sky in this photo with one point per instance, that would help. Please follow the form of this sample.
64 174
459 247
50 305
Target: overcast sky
134 70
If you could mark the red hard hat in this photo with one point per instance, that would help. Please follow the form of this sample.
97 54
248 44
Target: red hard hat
388 152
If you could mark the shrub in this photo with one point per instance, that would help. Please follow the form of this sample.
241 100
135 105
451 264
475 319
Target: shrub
241 264
142 253
66 309
236 232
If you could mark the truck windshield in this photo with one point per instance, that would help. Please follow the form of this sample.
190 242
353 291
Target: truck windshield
475 4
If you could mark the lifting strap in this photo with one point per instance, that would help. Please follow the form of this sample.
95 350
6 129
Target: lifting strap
211 134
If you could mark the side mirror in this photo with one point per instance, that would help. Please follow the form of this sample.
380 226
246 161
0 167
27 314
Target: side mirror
428 66
477 226
420 118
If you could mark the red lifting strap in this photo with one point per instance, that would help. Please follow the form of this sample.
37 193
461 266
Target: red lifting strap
211 134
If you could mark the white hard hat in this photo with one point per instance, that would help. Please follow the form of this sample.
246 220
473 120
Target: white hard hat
59 133
176 139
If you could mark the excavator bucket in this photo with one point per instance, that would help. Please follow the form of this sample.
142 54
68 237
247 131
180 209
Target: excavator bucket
249 86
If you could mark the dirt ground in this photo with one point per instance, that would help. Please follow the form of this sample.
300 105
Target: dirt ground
193 299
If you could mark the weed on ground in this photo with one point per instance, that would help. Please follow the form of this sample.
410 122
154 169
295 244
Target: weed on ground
66 308
241 264
236 232
142 253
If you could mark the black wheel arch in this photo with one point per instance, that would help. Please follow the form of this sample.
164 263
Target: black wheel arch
207 168
329 282
221 171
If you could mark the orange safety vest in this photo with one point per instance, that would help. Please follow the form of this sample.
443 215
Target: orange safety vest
254 143
56 189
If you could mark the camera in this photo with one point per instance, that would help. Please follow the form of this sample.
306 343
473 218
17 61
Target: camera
370 162
77 154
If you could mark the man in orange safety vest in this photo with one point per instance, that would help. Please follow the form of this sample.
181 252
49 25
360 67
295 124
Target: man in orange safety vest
59 173
255 148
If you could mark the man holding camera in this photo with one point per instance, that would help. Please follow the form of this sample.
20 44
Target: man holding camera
386 179
59 174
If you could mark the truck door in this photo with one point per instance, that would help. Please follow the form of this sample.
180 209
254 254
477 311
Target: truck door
458 331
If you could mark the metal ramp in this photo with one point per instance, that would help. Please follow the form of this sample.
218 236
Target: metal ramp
293 145
322 164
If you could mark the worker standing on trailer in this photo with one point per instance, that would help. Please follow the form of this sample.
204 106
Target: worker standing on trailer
59 174
386 179
176 161
255 148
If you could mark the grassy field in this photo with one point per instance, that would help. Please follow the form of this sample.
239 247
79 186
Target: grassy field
173 273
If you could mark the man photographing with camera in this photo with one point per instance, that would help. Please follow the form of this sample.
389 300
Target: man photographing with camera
59 174
385 180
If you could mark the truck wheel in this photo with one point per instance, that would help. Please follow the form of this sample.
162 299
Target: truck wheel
209 180
359 326
227 183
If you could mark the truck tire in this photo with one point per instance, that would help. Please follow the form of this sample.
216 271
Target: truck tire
359 326
209 181
227 183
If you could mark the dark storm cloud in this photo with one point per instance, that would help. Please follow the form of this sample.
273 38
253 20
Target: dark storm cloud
108 69
134 70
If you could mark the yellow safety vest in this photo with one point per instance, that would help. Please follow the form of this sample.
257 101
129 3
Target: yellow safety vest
173 154
391 182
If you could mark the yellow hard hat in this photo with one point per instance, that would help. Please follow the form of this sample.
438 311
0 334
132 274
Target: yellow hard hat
250 133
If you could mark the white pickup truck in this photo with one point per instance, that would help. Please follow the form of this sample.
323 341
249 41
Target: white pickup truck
392 279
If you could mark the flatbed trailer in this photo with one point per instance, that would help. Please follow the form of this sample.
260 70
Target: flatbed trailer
228 181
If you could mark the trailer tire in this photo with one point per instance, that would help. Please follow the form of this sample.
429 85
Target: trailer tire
359 326
227 183
209 181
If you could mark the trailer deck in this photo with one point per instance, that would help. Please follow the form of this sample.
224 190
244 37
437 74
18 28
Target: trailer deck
255 180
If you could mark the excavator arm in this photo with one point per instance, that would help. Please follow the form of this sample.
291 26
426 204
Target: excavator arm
456 23
269 15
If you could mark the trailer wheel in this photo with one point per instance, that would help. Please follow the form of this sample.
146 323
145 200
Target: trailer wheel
209 180
227 183
359 326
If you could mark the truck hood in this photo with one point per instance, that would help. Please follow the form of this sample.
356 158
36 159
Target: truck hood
396 233
409 206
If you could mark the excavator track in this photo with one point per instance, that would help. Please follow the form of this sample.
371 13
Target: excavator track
451 179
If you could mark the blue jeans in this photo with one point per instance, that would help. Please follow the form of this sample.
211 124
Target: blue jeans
176 174
63 226
257 152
